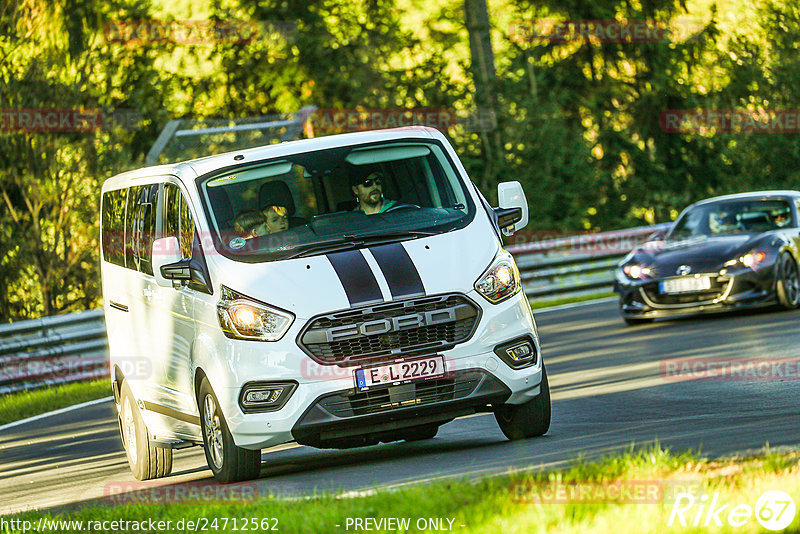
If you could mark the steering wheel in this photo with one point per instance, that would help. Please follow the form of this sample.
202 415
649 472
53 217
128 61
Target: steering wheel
402 207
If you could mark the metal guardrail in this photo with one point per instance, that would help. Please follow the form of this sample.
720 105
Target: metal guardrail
576 265
53 350
74 347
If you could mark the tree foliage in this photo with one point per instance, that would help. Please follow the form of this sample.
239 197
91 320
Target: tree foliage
577 120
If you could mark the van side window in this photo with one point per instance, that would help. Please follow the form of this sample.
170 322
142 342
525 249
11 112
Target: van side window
142 227
114 226
178 221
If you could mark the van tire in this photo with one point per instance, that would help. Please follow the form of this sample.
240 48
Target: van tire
531 419
146 462
227 462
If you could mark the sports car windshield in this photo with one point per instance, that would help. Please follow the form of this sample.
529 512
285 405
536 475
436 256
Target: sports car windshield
732 217
334 199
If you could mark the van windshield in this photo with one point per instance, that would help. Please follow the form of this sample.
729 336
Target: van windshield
334 199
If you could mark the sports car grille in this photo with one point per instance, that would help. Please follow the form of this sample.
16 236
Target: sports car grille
719 285
393 397
357 348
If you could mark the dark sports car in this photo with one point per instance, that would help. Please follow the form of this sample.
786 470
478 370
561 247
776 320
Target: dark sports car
722 253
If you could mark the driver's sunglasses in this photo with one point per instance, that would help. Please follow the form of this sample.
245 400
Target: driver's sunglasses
369 181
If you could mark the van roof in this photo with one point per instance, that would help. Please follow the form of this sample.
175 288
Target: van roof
188 170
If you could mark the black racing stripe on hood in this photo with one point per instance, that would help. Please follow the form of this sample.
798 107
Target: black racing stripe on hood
356 277
400 272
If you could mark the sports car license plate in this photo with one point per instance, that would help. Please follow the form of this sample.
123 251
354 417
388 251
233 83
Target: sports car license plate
400 372
685 285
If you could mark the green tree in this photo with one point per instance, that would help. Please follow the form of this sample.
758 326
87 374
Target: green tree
54 56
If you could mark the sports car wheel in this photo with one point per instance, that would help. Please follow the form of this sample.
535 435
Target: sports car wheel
788 284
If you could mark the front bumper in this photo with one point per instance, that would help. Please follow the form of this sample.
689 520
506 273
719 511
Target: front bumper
239 362
739 289
349 418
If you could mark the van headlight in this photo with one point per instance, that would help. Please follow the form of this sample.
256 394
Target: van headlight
244 318
501 280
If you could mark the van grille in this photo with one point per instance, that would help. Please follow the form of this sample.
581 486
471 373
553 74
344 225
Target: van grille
358 348
394 397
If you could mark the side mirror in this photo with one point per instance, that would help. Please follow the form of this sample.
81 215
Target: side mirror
658 235
512 215
167 262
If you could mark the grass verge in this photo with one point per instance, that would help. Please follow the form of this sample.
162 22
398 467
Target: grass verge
538 304
633 492
16 406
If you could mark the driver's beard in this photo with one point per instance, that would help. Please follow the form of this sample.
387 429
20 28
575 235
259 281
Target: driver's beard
367 201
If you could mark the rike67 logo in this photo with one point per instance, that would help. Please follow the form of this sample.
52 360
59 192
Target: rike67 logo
774 510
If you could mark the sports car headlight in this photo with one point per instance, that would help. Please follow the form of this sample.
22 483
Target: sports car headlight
244 318
501 279
751 259
637 271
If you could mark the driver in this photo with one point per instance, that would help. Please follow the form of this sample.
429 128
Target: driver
781 219
369 193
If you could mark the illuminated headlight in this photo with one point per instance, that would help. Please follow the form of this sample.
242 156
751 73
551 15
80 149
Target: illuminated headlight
244 318
637 272
501 280
751 259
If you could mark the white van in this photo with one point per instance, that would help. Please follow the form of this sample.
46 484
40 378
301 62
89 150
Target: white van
324 323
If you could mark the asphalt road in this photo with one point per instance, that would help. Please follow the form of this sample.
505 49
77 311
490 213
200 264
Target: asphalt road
610 388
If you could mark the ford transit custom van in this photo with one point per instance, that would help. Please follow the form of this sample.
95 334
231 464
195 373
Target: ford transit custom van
336 292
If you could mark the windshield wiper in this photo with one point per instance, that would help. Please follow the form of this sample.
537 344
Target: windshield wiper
331 245
397 234
350 241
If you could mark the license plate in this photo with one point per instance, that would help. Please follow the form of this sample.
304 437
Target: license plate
400 372
685 285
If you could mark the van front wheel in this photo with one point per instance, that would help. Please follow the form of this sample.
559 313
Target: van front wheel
146 462
521 421
227 462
